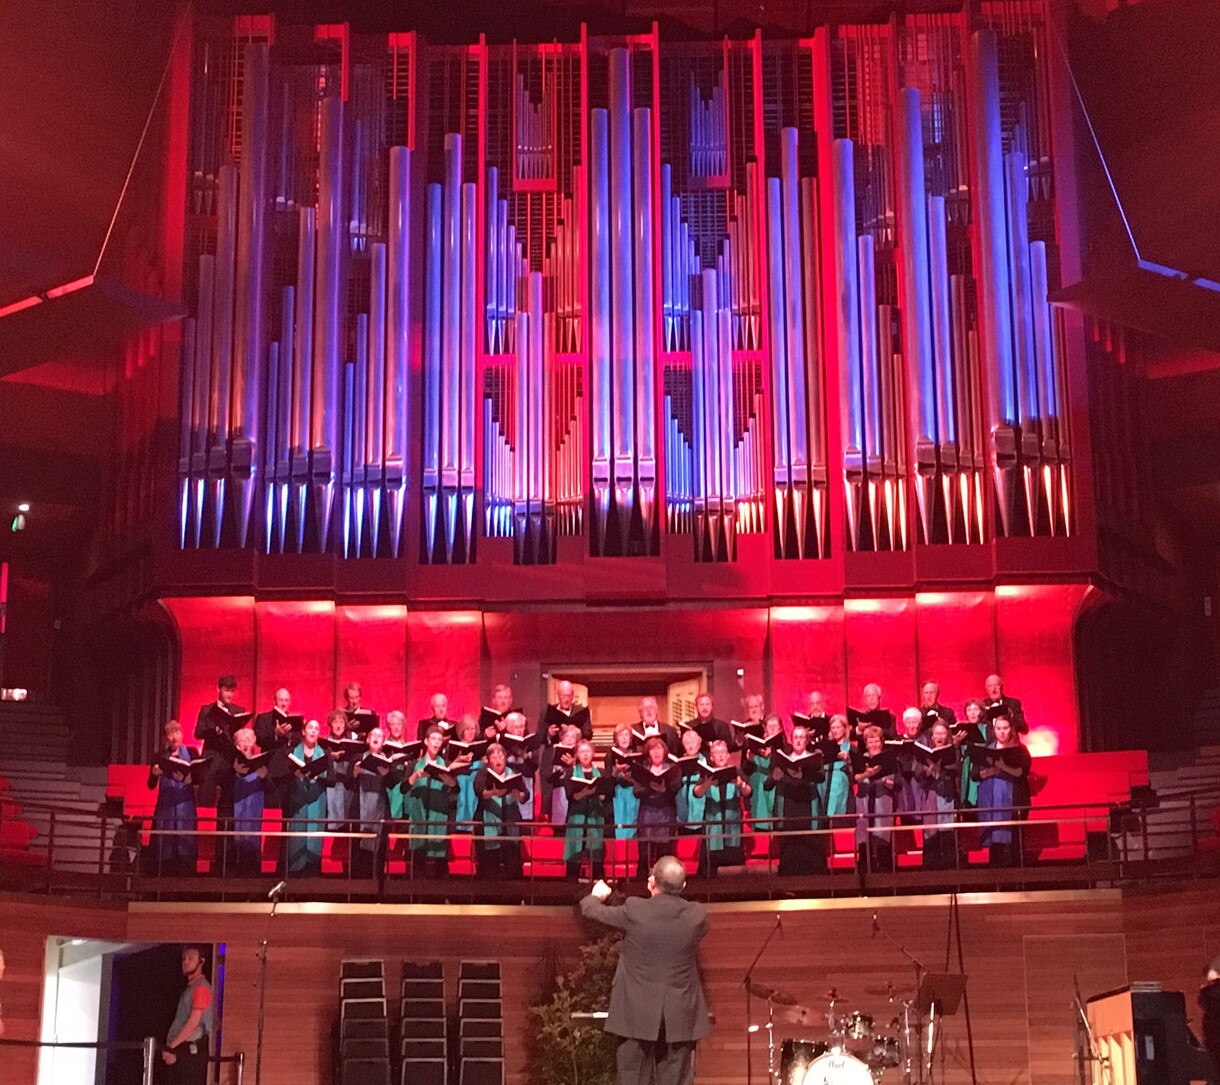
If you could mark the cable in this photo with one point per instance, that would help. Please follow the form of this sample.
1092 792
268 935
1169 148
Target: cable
152 109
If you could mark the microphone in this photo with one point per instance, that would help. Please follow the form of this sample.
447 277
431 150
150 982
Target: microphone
876 925
276 890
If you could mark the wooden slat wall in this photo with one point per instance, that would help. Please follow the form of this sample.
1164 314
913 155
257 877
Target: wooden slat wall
1022 952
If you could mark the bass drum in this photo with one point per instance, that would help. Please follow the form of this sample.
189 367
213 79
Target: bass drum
796 1056
837 1068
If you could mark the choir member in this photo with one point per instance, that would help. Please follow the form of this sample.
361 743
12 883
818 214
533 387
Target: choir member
360 718
650 726
522 755
940 802
339 785
501 792
563 758
754 708
910 798
689 803
722 791
565 712
973 730
996 704
431 806
656 788
872 715
214 729
705 722
756 763
395 742
467 800
491 718
875 784
797 784
174 844
625 806
816 717
278 730
932 709
371 777
584 833
438 716
836 789
305 809
250 787
1003 792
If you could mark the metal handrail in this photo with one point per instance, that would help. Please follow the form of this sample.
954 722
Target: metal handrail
148 1047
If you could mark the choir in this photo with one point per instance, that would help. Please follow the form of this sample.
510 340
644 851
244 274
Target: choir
363 778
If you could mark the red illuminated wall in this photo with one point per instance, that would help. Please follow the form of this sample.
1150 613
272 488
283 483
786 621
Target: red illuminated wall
401 656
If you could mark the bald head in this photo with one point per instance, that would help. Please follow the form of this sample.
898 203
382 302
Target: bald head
669 875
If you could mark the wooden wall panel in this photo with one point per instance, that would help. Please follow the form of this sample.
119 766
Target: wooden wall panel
1021 953
25 925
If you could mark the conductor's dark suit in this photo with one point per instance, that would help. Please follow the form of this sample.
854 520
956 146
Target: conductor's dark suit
657 1006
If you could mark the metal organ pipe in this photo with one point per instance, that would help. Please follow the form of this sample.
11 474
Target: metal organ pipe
942 320
644 318
995 317
451 338
302 368
434 331
250 287
186 408
390 323
202 393
328 315
375 391
470 321
599 318
219 415
278 503
794 305
847 321
622 287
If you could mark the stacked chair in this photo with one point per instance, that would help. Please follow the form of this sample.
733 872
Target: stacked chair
424 1039
480 1024
364 1026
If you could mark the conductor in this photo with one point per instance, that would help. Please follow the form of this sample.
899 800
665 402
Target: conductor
657 1008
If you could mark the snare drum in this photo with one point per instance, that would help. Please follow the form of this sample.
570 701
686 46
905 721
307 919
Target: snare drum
837 1068
796 1056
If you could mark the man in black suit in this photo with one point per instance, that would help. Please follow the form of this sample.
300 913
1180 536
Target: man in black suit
657 1007
274 730
996 704
215 731
709 727
650 725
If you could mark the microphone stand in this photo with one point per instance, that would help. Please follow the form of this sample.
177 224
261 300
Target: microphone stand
261 981
919 971
745 983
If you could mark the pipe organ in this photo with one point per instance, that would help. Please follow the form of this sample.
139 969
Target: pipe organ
623 292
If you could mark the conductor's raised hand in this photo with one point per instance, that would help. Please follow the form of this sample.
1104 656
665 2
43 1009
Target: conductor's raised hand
601 890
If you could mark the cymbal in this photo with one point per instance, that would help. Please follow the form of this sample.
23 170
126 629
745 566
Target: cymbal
890 989
777 998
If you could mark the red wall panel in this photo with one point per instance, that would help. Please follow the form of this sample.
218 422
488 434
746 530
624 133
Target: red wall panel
880 639
956 641
807 655
1034 625
371 648
444 650
217 637
296 648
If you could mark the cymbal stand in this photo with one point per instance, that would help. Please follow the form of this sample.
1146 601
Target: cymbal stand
745 986
913 1063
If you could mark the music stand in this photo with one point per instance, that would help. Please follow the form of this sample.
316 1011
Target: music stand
939 995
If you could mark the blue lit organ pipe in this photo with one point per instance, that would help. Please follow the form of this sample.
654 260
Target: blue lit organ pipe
449 383
813 364
329 305
269 437
279 481
847 324
644 318
250 289
794 323
943 347
186 409
390 322
368 499
220 406
433 333
995 317
302 368
622 331
600 363
202 396
470 323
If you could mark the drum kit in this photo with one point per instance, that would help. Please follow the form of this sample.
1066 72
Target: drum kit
854 1049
